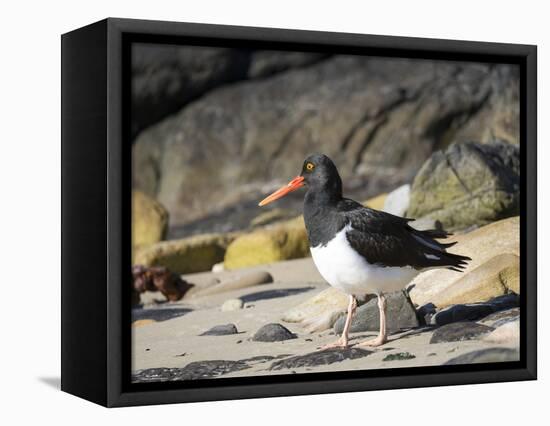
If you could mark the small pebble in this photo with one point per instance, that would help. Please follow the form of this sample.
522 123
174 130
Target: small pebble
218 267
221 330
232 305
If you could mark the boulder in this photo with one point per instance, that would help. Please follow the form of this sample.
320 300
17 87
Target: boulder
167 77
501 317
397 201
188 255
468 184
273 333
457 313
498 276
149 220
379 119
400 315
459 331
485 244
284 241
482 356
320 312
323 302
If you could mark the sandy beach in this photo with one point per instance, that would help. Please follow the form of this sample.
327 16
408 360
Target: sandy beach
168 335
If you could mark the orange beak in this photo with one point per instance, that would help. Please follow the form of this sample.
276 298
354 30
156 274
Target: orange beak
293 185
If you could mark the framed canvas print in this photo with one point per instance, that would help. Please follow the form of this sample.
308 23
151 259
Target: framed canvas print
253 212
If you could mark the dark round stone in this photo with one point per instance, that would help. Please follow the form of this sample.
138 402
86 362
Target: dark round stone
273 333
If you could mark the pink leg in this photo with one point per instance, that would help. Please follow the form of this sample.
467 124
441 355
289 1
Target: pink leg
383 335
343 341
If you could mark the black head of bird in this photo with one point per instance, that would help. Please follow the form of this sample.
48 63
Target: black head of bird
319 175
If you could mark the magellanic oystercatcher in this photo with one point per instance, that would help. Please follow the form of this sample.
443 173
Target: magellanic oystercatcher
360 250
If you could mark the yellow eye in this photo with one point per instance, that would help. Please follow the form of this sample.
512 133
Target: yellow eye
310 167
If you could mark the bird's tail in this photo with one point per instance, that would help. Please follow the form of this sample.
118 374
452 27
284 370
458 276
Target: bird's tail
455 262
442 258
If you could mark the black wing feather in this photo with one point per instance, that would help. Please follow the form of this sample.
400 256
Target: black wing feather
388 240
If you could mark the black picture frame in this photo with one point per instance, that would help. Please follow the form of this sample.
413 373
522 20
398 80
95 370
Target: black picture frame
96 198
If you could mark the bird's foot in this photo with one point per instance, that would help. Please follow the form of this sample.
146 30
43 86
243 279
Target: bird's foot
378 341
339 344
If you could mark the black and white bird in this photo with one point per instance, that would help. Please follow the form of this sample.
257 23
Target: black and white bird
359 250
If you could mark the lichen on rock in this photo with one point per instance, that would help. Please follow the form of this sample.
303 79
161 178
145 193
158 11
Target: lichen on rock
469 184
188 255
149 220
283 241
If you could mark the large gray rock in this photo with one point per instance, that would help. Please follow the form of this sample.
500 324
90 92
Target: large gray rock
167 77
485 356
317 312
468 184
400 314
379 119
459 331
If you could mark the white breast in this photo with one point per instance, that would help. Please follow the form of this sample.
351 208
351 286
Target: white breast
342 267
